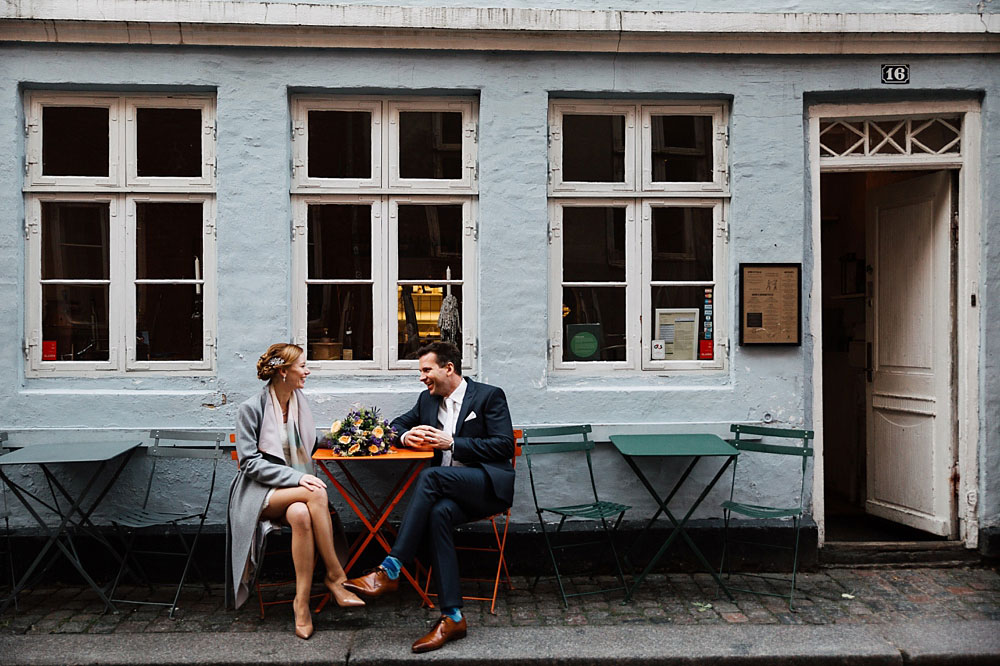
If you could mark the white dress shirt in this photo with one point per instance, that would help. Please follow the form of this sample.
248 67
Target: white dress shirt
448 416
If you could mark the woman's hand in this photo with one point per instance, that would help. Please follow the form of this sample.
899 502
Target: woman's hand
310 482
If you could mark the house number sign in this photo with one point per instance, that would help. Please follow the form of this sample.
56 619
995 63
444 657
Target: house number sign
895 75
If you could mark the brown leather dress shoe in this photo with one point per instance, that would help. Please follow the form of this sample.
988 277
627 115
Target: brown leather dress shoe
373 584
444 630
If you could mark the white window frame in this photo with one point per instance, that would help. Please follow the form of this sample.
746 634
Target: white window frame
301 181
556 235
35 179
33 287
470 114
720 343
557 111
121 190
300 268
470 313
161 183
209 303
385 191
639 197
720 158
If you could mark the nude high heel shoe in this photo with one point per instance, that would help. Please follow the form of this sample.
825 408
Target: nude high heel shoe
344 597
303 630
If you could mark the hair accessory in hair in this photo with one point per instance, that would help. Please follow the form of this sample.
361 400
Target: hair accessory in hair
275 361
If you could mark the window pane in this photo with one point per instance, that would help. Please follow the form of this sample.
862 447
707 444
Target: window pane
593 148
683 347
593 324
168 142
168 325
340 242
340 144
419 310
430 144
682 244
593 244
75 141
430 242
682 148
74 241
75 319
340 322
168 239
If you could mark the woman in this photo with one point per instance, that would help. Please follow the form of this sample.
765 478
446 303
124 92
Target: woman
275 436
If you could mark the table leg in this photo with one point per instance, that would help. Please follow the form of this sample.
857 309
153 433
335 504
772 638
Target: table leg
374 516
678 525
53 539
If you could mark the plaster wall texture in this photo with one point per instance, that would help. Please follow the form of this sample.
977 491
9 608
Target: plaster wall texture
769 220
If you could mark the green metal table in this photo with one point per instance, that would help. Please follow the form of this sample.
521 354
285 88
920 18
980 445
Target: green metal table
72 512
696 447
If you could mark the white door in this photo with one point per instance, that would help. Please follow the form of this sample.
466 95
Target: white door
911 447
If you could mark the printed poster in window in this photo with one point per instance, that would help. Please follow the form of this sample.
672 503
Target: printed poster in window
675 334
770 296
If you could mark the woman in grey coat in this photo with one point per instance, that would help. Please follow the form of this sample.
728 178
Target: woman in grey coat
275 437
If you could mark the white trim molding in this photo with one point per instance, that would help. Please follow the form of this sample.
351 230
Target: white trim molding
303 24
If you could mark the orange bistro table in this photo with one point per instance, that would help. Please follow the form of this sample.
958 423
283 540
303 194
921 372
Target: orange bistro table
373 514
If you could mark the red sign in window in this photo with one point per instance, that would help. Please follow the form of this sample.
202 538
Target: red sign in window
705 352
48 350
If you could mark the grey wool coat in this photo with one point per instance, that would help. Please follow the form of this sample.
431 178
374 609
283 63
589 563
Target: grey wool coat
258 473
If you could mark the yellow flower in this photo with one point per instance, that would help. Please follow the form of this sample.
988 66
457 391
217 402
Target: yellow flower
372 449
335 427
378 432
354 449
344 439
357 422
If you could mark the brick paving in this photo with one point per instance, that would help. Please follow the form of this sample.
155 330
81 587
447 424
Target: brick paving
830 596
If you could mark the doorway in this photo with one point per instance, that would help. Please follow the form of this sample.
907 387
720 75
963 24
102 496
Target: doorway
888 363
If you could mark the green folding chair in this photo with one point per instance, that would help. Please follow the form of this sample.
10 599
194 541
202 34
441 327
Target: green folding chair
129 522
597 510
757 445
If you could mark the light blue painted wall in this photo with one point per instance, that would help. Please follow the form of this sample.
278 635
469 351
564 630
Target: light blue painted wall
769 220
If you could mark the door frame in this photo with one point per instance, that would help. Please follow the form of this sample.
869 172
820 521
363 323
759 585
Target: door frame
968 273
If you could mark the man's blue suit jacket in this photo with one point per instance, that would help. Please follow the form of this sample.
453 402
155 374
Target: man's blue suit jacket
485 440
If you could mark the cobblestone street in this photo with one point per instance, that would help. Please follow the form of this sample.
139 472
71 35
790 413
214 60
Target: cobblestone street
831 596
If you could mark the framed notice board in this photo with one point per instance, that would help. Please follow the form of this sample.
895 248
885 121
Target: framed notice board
770 304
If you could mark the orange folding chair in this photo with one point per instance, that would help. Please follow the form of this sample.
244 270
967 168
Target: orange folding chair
497 545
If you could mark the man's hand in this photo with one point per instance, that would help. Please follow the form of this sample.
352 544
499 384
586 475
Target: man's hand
429 437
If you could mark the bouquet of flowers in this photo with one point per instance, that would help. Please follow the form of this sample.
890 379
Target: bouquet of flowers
363 432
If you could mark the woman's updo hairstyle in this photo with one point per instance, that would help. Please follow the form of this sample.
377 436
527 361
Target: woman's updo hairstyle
278 356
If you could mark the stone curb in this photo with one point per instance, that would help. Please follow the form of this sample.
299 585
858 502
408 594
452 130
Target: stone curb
921 643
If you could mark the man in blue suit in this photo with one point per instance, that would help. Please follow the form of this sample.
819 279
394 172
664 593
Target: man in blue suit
468 426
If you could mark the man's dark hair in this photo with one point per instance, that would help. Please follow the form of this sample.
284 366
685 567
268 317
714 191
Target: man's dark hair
446 353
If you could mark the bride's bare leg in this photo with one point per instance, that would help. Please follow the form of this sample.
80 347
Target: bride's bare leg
303 557
322 532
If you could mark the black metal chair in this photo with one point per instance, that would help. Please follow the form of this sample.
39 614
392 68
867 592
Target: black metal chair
595 509
761 511
129 523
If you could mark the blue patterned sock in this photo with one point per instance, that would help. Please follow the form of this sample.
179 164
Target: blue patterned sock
392 567
454 613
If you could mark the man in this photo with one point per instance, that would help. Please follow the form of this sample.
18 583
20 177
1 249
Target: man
468 426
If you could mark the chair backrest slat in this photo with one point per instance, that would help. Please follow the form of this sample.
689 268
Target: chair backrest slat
767 431
556 431
556 447
188 435
745 445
